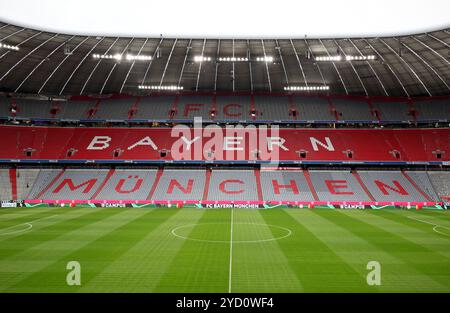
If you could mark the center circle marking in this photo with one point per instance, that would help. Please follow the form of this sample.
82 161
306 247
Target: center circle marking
287 233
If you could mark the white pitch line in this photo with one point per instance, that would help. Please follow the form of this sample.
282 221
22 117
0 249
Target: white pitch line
433 224
28 224
427 222
43 218
287 230
231 252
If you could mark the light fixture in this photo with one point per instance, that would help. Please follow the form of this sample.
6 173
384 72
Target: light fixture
337 58
9 47
264 59
201 58
158 87
132 57
329 58
359 57
232 59
116 56
307 88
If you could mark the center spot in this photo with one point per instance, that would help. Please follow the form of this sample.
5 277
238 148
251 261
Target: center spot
242 232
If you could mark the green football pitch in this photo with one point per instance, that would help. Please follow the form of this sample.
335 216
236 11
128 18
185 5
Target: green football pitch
223 250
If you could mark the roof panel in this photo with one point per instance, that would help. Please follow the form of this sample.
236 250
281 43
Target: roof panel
408 65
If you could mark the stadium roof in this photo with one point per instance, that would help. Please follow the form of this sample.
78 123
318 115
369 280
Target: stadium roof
57 63
238 19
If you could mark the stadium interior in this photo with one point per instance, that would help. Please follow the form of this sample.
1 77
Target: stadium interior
362 121
223 164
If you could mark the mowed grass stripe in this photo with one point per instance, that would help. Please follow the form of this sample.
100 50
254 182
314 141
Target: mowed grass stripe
430 269
430 242
60 240
443 220
29 217
129 227
317 267
353 250
14 214
4 212
201 266
432 250
397 275
442 217
259 266
140 268
437 213
418 228
133 250
46 228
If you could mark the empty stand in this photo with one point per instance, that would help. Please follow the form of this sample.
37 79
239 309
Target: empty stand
126 184
227 185
441 183
272 108
353 110
232 108
154 108
285 186
390 186
392 111
156 144
433 110
5 185
5 105
313 108
337 186
73 184
181 185
422 181
76 110
43 181
34 109
114 109
189 107
25 181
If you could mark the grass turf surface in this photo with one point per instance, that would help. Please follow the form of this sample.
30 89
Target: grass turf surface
222 250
